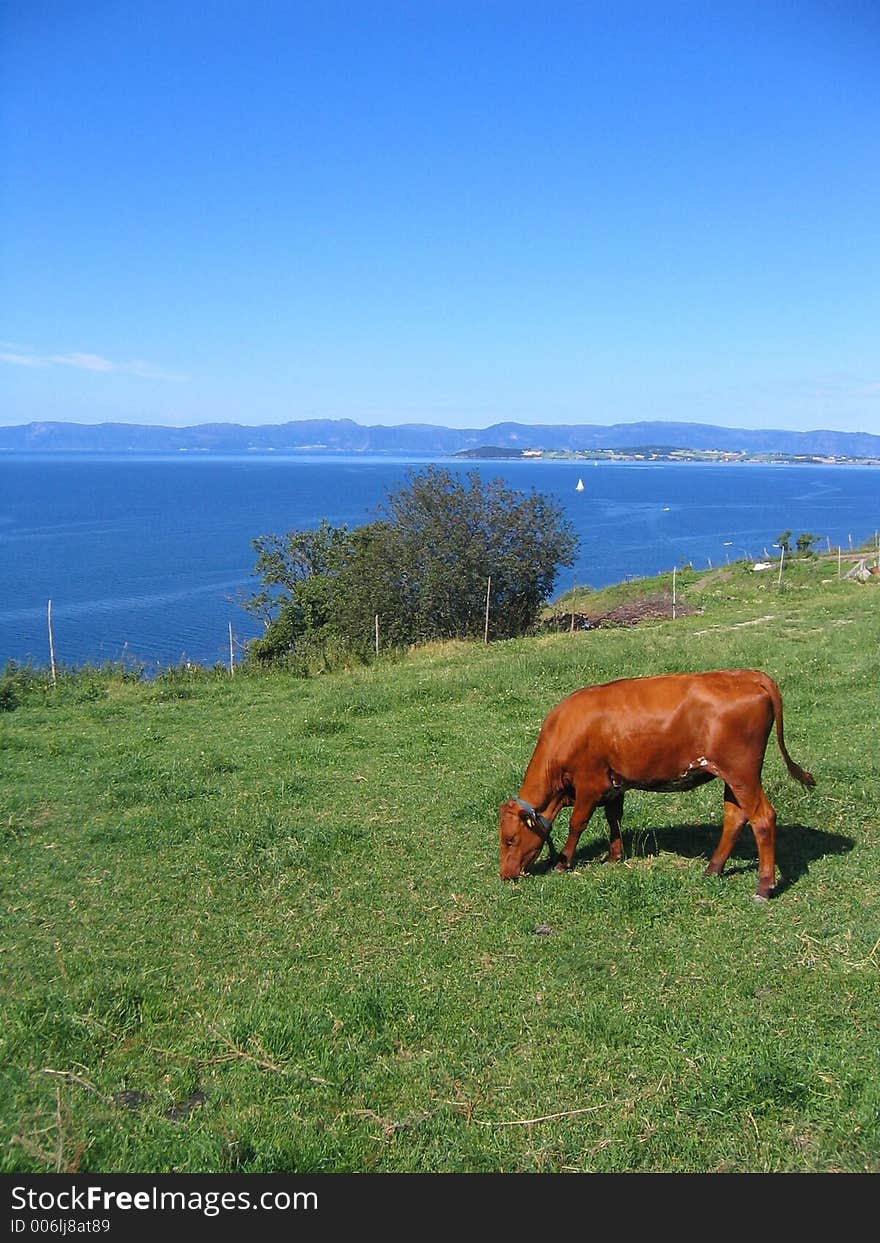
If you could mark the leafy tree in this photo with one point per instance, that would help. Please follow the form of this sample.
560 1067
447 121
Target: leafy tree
784 541
298 572
423 567
805 542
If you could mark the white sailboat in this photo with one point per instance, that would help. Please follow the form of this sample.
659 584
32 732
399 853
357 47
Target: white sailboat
580 486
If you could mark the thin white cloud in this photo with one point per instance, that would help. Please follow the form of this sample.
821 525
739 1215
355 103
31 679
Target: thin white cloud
21 356
23 360
84 362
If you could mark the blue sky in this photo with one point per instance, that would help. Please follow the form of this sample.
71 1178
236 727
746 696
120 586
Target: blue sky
449 213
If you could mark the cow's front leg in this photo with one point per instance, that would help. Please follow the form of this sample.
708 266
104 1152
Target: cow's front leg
584 806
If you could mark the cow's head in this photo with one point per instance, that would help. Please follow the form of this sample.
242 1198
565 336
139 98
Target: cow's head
521 836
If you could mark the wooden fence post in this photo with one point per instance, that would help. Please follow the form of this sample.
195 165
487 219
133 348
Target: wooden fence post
486 627
231 654
376 630
51 645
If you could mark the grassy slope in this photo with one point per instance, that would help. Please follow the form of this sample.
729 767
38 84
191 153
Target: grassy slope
274 905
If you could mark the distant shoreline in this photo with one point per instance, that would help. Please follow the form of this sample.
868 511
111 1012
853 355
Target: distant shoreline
723 457
655 440
660 457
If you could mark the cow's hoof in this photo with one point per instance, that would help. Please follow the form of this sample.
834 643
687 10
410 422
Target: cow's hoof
760 897
561 866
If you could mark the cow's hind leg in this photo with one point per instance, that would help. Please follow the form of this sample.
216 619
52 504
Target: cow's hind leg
753 805
763 822
734 819
614 816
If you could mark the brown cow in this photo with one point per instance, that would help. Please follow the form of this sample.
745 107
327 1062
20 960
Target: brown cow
671 732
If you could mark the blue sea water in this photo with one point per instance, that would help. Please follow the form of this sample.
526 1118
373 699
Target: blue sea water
145 558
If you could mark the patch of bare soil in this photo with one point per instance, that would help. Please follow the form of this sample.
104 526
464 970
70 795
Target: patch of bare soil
650 608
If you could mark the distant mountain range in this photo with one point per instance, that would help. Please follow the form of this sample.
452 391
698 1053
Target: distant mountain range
346 436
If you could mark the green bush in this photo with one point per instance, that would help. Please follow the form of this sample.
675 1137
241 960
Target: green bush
424 569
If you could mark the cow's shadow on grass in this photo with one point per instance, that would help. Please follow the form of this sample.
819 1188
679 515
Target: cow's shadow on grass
797 846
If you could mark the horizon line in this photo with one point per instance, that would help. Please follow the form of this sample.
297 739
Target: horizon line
442 426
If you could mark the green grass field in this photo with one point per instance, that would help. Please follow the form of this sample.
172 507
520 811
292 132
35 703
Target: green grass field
255 924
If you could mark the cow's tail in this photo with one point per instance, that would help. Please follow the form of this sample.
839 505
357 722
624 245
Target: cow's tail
798 773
